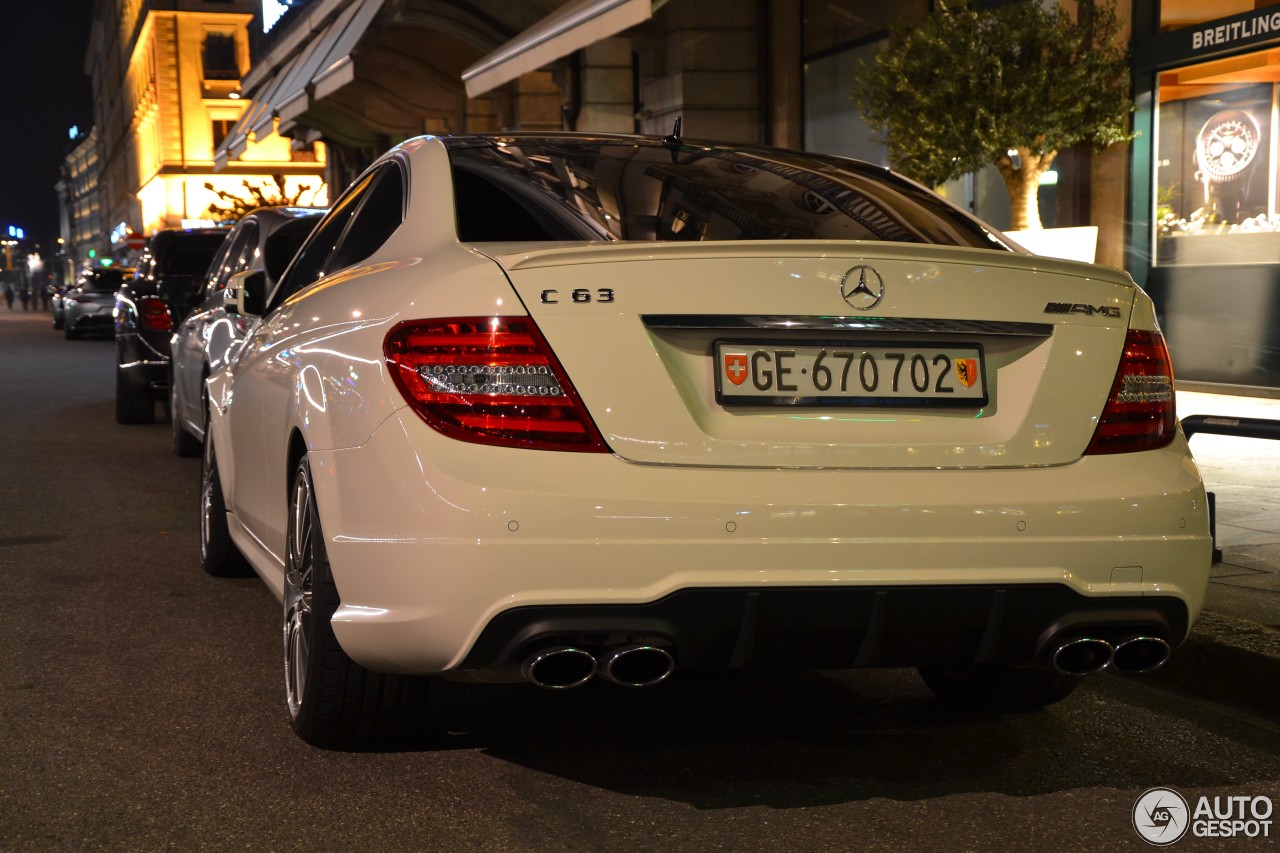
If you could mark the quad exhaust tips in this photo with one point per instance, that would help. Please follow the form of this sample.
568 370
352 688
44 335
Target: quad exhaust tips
1141 654
636 666
559 667
1089 655
562 667
1083 656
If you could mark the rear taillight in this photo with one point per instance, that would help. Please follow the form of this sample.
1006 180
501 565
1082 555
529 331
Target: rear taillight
153 313
1139 414
489 380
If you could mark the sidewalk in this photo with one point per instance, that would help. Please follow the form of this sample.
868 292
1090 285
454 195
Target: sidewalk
1234 650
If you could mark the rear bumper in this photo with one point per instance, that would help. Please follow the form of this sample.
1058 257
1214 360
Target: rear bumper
143 360
449 556
837 627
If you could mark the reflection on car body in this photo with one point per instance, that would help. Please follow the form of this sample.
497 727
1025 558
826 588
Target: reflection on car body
264 239
449 456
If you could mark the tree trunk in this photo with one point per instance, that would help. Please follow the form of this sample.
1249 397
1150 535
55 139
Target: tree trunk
1022 180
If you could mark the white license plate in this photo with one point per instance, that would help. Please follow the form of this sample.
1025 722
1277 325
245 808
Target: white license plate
842 374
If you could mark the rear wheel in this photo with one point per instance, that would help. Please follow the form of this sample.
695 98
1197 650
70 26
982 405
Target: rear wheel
71 332
132 405
219 556
993 687
333 701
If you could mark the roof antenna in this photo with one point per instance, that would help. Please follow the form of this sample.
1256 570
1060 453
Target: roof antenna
672 139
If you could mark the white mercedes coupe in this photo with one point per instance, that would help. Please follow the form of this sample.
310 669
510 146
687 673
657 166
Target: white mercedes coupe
557 407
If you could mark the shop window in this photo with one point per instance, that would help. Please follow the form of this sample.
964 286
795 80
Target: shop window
1215 192
220 61
221 127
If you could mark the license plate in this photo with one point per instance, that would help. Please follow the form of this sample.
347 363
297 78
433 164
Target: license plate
842 374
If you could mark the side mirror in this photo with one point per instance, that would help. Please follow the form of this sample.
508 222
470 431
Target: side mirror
246 294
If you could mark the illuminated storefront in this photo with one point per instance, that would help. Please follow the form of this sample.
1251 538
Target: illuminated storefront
167 89
1205 214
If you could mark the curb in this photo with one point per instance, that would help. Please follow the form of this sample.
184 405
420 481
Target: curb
1228 659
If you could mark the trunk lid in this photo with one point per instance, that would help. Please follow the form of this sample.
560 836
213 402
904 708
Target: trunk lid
637 328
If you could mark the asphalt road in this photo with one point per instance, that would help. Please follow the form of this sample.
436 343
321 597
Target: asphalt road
142 707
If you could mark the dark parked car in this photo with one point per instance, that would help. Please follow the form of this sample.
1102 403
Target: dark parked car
87 305
148 308
265 239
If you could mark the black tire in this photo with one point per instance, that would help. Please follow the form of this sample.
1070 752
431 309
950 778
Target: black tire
219 556
71 332
333 702
57 322
132 406
992 687
184 444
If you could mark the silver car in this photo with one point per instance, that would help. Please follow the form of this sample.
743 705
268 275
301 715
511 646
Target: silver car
87 306
265 239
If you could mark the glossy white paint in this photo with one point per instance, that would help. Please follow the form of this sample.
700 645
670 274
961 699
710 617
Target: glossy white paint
430 537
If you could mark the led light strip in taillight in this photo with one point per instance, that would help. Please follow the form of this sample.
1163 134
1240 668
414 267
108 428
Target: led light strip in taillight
489 380
1140 411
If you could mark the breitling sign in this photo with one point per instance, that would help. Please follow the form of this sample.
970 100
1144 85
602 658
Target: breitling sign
1247 29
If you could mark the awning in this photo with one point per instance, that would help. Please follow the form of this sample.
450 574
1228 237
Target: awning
313 56
236 141
320 66
574 26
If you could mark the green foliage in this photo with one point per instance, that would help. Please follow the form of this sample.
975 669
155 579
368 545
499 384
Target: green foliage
231 207
958 91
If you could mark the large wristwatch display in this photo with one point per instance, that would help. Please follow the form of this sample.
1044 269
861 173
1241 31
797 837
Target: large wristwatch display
1226 149
1227 144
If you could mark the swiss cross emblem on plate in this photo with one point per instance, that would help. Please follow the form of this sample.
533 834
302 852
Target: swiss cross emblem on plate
735 367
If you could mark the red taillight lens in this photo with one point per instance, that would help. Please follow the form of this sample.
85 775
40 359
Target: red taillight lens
489 380
153 314
1140 411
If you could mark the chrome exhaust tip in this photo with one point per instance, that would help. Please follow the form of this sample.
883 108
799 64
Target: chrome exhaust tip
559 667
1142 654
637 666
1083 656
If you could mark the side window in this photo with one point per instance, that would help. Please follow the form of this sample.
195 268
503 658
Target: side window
217 277
378 217
245 255
227 263
310 263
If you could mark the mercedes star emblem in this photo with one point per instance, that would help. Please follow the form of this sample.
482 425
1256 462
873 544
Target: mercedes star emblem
862 287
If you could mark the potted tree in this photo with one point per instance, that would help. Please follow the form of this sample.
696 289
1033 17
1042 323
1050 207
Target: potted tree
1010 86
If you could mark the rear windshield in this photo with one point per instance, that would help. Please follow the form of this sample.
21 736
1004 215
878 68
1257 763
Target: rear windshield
521 188
191 254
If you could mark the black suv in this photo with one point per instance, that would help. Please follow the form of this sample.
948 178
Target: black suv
148 308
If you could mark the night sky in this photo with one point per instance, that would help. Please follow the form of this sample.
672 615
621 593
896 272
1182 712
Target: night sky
42 48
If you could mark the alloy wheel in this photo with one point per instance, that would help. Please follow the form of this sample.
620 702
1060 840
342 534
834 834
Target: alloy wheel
207 485
299 584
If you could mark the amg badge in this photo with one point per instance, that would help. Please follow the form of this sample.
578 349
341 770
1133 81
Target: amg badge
1080 308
